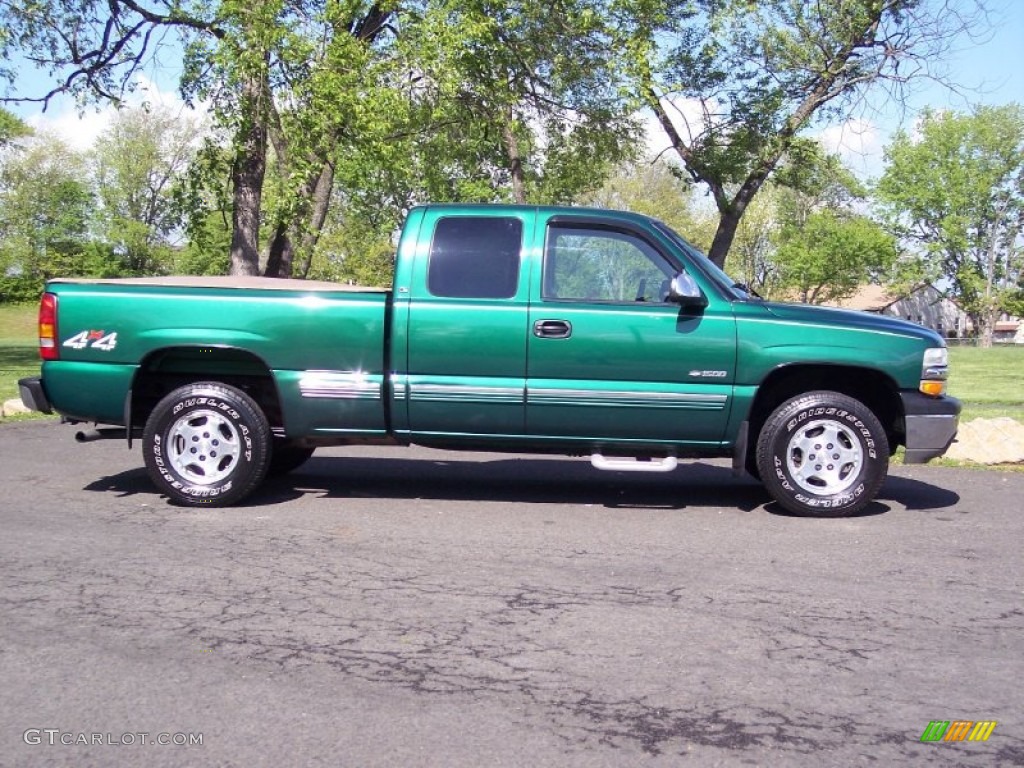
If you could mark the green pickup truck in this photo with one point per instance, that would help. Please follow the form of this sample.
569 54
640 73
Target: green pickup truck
509 328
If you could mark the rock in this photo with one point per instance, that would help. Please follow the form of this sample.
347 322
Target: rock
989 441
11 407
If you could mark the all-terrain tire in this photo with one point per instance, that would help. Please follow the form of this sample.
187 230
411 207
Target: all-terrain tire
823 454
207 444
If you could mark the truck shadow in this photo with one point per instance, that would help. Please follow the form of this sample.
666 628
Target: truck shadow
535 481
696 484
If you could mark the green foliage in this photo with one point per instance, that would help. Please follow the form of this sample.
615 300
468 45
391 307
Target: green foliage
654 189
135 165
45 210
104 213
830 255
753 256
955 195
355 254
11 128
733 83
802 238
531 86
821 250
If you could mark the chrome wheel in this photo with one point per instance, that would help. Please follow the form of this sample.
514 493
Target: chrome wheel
203 447
824 457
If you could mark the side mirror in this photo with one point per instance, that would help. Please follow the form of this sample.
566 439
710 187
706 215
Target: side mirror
684 291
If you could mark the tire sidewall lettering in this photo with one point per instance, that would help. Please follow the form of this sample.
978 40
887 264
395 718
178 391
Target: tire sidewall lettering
782 427
176 485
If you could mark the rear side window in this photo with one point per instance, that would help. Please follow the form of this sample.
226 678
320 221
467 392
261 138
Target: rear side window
475 258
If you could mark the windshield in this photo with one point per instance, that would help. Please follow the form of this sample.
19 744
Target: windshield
730 286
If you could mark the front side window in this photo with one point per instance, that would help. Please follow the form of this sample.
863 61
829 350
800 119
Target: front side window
590 264
475 257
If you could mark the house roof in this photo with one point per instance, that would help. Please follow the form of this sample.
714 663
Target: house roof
868 298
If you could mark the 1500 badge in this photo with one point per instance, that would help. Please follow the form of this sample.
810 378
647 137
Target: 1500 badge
709 374
92 339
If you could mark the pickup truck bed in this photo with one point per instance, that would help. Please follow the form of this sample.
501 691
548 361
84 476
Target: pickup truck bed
297 330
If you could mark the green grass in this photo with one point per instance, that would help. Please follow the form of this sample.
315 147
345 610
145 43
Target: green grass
19 353
990 382
18 323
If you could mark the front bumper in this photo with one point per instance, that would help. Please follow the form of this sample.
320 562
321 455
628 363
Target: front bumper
33 395
931 424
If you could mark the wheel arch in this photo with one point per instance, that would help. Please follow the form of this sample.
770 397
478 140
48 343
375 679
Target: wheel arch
874 388
163 370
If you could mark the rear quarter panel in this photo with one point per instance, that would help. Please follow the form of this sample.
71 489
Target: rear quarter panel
294 331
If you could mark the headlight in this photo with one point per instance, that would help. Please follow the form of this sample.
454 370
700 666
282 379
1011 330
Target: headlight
934 371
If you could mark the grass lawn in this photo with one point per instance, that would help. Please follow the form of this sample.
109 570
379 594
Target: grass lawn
19 353
990 382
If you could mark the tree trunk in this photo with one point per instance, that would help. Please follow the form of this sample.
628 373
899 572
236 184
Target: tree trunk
321 205
247 171
515 163
988 325
281 253
728 223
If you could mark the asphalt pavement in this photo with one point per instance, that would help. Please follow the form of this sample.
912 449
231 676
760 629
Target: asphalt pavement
407 607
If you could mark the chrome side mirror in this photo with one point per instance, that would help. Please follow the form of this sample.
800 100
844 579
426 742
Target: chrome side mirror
684 291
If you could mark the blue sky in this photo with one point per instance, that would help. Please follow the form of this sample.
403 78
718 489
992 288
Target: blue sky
989 70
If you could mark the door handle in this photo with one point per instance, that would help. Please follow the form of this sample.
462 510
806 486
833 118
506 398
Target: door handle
552 329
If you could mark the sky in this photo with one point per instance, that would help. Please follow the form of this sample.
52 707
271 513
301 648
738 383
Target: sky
989 70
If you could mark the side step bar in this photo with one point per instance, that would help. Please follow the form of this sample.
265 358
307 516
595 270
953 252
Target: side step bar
629 464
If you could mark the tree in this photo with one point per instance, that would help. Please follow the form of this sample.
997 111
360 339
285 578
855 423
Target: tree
831 254
535 80
955 194
137 164
243 56
733 83
46 207
823 248
654 189
341 101
11 128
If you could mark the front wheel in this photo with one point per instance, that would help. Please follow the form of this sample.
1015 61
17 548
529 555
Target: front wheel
207 444
823 454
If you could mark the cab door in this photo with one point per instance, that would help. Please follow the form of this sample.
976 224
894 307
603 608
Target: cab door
465 371
610 359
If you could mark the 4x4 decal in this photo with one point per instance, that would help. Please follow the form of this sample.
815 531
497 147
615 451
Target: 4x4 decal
93 339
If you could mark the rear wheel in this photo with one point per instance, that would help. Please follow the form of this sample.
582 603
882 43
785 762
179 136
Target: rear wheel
823 454
207 444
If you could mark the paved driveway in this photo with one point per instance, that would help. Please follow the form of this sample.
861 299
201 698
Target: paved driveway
390 607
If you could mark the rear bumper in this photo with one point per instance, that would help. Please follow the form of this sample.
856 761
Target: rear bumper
33 395
931 425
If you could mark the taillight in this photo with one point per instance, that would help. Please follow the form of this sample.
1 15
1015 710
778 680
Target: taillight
48 349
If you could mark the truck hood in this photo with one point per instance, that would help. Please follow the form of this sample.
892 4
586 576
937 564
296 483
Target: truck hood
844 318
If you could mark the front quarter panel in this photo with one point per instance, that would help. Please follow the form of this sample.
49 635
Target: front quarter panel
772 336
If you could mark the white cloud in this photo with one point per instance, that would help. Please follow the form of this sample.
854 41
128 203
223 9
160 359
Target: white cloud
858 143
687 116
80 129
